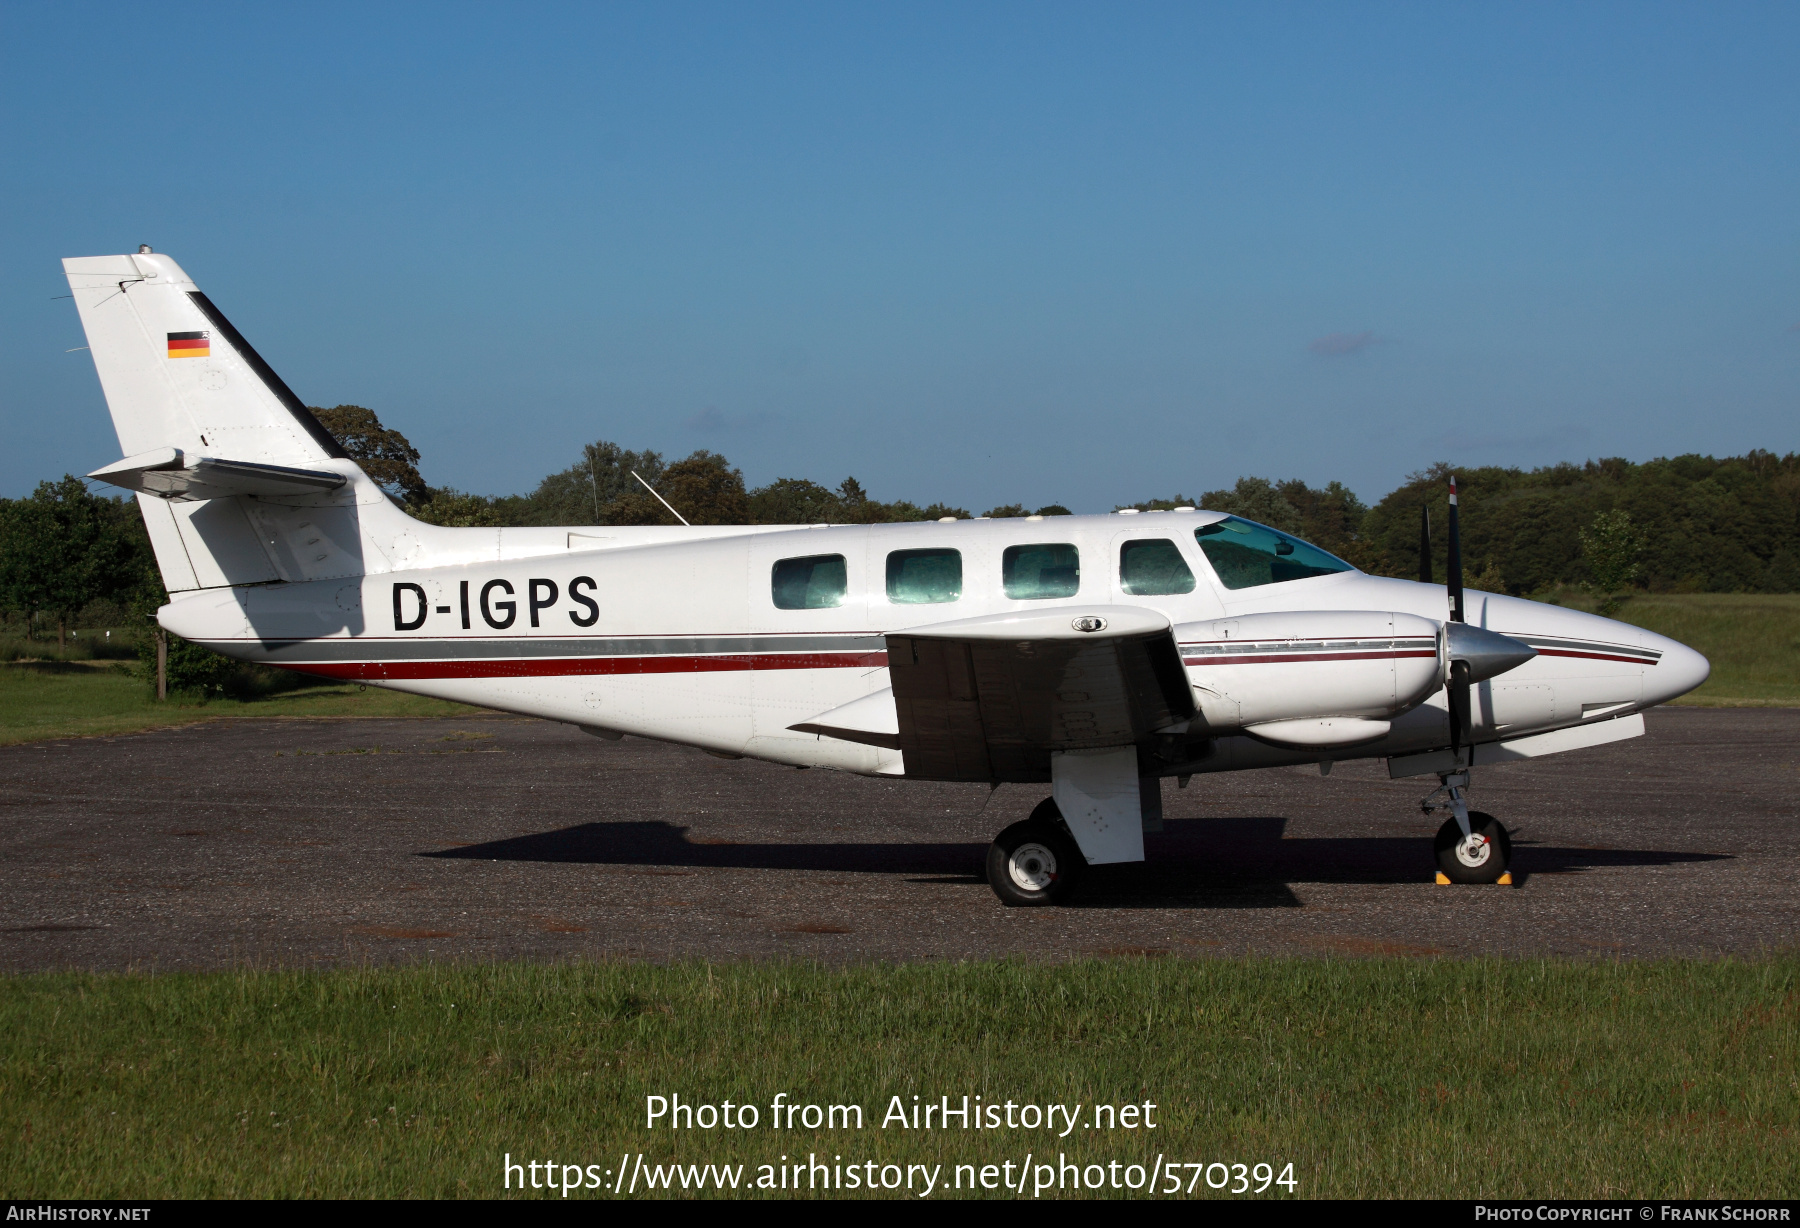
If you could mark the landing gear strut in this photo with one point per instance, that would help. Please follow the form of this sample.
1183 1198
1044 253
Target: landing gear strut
1035 862
1471 847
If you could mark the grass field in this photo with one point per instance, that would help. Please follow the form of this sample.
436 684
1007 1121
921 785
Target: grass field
1373 1078
61 699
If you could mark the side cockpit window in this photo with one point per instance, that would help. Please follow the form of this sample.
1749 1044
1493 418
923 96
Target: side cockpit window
816 582
1246 554
1153 567
922 577
1039 572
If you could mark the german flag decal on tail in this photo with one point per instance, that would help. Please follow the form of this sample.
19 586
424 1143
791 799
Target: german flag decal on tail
190 345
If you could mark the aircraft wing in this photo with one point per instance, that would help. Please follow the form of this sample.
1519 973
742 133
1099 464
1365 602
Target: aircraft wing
990 698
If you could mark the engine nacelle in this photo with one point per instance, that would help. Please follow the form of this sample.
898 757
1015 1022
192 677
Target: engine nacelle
1277 675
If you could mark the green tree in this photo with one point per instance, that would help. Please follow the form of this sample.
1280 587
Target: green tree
1706 524
1611 547
1256 499
63 546
455 509
190 667
795 501
1330 517
799 501
860 509
1159 505
1007 510
384 454
583 493
705 489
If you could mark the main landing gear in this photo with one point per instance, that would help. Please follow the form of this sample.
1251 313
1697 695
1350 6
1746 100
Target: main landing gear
1471 847
1035 862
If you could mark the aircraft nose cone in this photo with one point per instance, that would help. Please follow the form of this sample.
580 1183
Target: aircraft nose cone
1488 653
1679 670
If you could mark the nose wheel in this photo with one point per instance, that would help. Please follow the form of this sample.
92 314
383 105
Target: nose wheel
1471 847
1035 862
1481 856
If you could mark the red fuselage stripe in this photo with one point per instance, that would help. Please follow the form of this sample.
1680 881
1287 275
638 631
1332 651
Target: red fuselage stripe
732 662
581 666
1281 659
1594 656
1270 658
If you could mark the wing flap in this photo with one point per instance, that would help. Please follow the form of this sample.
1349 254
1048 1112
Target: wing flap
993 698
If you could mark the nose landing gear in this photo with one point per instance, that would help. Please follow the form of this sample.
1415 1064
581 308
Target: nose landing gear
1471 847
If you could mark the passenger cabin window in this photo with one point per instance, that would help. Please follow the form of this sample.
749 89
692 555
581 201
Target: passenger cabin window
1153 567
924 577
816 582
1246 554
1036 573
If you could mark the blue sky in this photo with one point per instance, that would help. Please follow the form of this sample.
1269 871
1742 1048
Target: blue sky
971 253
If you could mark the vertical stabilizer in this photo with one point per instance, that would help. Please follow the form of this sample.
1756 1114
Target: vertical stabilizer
177 374
188 395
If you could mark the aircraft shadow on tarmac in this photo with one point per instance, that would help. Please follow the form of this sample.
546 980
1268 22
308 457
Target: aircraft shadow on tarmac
1204 863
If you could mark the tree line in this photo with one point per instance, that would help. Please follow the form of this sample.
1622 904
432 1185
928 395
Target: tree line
1687 523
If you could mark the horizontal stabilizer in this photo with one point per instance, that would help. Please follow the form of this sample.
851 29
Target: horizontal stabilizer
871 720
169 473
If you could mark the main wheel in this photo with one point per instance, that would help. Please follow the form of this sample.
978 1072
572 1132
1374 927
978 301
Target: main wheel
1481 857
1034 862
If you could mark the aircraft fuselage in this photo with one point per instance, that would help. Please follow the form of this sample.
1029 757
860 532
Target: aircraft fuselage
682 640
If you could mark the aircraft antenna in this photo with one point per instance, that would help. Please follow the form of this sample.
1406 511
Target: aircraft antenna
660 499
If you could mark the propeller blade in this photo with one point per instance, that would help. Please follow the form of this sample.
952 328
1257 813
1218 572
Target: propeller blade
1474 652
1454 580
1458 691
1425 545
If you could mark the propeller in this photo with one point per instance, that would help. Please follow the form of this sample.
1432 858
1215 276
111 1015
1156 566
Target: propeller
1425 545
1454 580
1472 654
1459 670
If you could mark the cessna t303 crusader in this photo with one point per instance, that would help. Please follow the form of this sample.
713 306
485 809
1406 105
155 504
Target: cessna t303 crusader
1096 654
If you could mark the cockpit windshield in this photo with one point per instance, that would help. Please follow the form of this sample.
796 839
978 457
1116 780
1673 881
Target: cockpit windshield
1246 554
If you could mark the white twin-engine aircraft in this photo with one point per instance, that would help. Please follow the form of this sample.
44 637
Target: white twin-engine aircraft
1098 654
